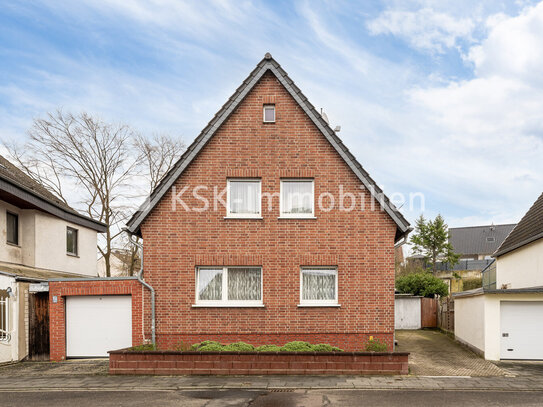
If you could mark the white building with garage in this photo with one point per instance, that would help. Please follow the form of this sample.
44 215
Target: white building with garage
41 238
504 318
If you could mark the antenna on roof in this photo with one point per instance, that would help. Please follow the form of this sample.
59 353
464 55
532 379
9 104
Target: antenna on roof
324 116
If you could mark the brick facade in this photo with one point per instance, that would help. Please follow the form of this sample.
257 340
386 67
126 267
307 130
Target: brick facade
359 243
63 289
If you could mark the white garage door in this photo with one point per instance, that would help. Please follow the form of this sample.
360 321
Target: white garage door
521 330
95 325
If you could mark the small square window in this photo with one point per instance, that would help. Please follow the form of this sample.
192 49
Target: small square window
269 113
12 228
71 241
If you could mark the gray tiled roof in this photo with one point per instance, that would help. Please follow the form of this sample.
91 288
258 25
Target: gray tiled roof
267 64
529 229
15 182
483 240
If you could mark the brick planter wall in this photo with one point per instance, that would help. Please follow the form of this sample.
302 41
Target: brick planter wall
250 363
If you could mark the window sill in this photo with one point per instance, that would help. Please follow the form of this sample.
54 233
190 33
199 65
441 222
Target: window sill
72 255
244 217
297 217
13 244
318 305
228 306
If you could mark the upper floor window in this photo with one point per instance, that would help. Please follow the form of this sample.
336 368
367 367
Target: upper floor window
12 228
71 241
243 198
269 113
229 286
297 198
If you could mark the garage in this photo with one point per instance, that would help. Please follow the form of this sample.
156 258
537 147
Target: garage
521 329
97 324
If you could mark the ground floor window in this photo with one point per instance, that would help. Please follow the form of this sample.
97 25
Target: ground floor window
229 286
319 286
4 315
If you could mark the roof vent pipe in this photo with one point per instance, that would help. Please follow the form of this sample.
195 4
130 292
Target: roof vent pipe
146 285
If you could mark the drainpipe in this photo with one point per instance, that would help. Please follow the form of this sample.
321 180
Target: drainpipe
146 285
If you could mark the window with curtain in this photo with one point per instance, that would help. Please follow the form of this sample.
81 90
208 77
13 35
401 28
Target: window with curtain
297 198
12 226
318 286
243 198
229 286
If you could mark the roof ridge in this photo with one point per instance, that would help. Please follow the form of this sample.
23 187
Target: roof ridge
267 63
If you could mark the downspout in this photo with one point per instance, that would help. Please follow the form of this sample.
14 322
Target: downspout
146 285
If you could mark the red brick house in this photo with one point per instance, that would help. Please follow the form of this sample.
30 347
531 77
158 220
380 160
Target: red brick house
277 260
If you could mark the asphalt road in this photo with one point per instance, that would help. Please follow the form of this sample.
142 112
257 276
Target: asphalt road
256 398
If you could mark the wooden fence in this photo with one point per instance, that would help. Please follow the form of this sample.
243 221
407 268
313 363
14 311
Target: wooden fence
445 314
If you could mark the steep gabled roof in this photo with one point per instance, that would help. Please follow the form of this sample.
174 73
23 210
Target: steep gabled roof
528 230
16 185
267 64
479 239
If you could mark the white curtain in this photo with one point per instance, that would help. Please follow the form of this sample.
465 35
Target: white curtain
210 284
245 197
244 284
319 284
297 197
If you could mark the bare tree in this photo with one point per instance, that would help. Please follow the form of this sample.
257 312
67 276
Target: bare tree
157 155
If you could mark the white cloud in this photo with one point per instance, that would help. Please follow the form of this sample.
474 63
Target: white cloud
424 29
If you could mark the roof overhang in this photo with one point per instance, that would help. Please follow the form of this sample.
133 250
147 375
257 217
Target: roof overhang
38 202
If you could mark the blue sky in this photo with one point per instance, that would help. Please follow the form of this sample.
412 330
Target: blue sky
439 97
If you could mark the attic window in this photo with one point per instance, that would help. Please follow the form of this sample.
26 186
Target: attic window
269 113
490 239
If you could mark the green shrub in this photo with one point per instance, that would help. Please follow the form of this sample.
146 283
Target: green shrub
297 346
336 349
239 347
212 347
423 284
323 347
375 345
472 283
268 348
144 347
197 346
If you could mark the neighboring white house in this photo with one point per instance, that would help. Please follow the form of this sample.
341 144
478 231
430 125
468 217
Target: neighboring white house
504 318
40 238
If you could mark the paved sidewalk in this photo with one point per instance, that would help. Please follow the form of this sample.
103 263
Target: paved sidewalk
432 353
163 383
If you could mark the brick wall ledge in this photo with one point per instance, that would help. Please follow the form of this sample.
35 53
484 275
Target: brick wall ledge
131 362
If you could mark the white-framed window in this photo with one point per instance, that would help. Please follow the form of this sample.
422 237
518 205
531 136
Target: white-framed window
229 286
269 114
297 198
4 316
243 198
318 286
71 241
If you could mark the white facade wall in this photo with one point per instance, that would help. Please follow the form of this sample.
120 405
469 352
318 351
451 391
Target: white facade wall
469 321
51 246
407 313
42 243
521 268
